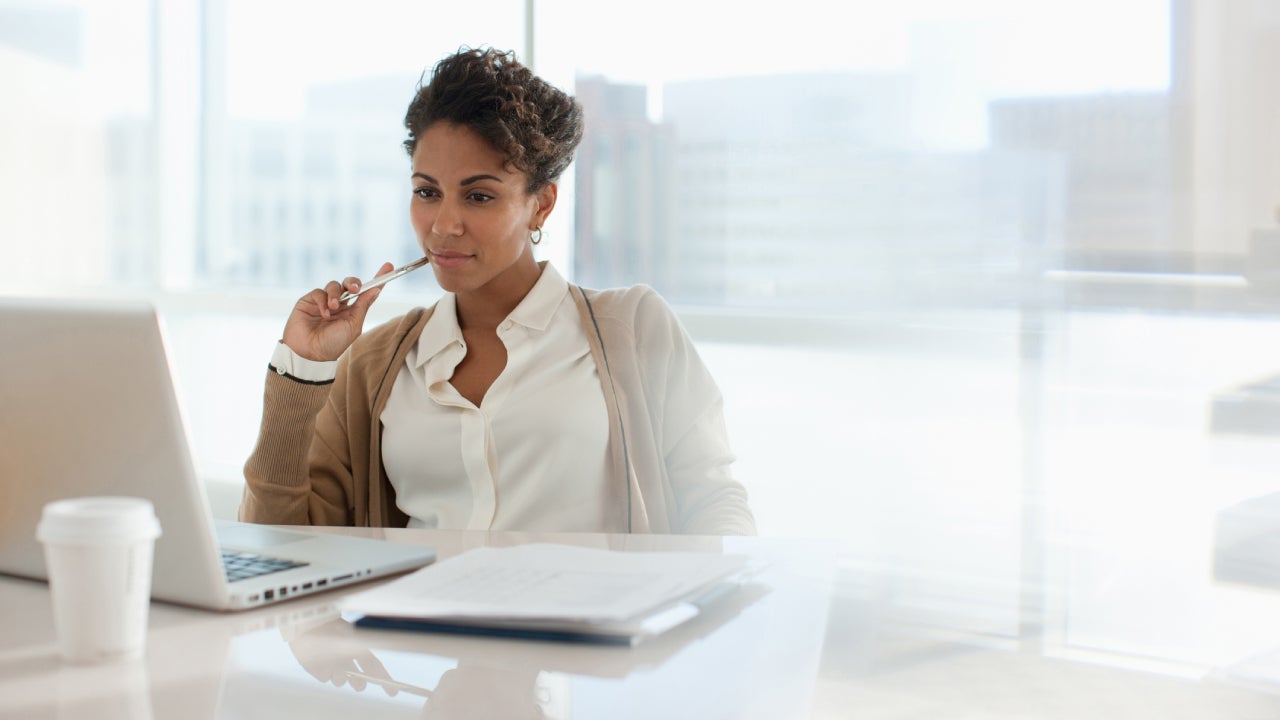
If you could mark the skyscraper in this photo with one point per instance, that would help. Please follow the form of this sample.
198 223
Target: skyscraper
623 184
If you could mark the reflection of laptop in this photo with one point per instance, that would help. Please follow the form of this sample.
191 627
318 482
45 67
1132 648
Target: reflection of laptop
87 407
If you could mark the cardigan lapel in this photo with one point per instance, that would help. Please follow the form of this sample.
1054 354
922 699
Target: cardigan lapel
627 502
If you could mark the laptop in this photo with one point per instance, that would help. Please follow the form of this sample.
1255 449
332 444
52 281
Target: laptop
87 407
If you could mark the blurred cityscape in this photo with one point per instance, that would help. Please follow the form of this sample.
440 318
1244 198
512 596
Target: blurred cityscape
820 191
816 193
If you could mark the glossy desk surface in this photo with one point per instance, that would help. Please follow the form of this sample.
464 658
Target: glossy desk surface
823 633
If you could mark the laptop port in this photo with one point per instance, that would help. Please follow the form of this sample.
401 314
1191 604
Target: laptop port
306 586
269 595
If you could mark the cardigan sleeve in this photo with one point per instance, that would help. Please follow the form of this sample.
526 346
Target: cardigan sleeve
316 461
689 424
299 472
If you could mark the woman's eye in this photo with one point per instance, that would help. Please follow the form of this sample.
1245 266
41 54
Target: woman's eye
425 193
478 197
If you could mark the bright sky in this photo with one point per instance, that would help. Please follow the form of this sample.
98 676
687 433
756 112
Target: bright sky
1024 45
994 48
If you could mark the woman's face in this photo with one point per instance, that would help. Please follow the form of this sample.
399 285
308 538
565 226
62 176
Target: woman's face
472 215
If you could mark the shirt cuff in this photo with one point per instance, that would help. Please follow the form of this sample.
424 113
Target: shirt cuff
287 362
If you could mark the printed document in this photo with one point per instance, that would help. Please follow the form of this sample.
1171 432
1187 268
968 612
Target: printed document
549 582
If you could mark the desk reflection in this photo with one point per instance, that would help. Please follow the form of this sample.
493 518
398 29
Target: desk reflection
326 664
470 689
754 654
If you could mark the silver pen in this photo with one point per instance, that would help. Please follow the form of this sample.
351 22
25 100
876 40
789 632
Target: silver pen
381 280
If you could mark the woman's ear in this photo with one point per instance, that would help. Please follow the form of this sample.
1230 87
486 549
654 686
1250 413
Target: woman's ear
546 202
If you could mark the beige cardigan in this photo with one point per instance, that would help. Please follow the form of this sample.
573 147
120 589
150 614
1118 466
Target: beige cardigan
318 459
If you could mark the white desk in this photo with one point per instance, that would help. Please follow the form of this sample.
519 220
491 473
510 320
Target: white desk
804 642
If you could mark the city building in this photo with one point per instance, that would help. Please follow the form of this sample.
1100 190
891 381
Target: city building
623 202
317 198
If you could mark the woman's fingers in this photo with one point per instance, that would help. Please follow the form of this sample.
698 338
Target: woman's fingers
364 301
312 303
310 330
332 291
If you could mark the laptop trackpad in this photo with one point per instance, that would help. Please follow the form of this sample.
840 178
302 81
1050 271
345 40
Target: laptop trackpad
249 537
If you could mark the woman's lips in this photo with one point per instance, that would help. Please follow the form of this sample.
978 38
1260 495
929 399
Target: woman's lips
449 258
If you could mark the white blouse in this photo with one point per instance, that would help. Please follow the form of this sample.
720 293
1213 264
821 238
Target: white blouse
532 457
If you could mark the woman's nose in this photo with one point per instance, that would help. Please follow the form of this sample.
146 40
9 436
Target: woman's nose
448 220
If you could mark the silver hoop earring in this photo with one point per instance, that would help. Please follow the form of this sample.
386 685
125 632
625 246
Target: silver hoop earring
535 237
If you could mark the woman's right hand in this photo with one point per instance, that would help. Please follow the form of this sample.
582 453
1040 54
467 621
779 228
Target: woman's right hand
322 328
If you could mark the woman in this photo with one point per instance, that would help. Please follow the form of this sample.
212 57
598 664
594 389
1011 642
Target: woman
518 401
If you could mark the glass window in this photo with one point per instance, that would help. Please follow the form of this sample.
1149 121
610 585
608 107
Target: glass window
907 156
304 111
79 170
972 276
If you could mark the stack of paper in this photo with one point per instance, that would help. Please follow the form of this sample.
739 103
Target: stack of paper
550 591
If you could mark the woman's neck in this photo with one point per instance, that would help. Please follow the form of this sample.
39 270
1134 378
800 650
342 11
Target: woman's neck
485 307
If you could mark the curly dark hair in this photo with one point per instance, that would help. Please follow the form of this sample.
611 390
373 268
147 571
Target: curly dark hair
536 125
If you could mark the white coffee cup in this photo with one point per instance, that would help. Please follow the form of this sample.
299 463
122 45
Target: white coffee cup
98 553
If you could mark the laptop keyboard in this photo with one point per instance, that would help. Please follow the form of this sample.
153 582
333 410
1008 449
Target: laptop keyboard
240 566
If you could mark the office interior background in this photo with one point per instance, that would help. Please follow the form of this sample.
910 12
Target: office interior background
973 277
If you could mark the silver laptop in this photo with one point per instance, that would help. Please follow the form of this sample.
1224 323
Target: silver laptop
87 407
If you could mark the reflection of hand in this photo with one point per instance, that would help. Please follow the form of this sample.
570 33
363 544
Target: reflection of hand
357 671
322 328
471 691
368 667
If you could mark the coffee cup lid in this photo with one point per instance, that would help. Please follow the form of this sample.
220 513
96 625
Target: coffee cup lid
92 520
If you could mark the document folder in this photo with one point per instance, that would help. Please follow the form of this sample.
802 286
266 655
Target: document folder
553 592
